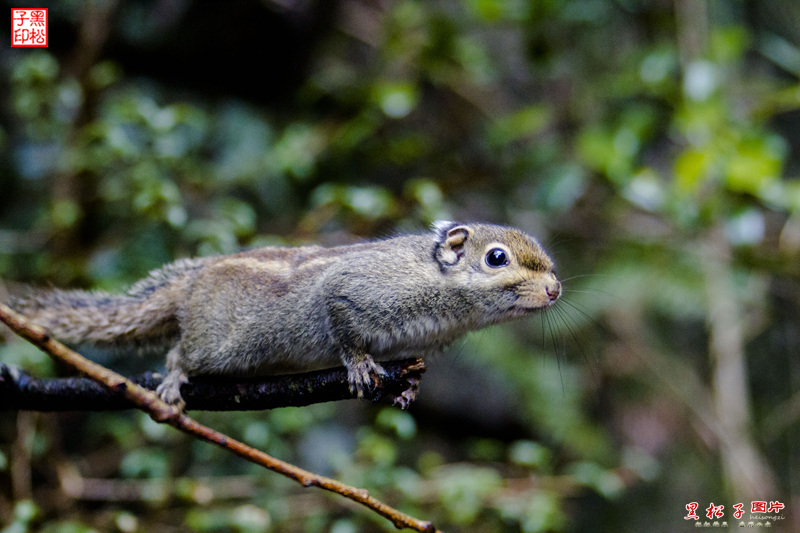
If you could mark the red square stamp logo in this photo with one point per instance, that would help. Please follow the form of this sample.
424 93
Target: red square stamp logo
29 27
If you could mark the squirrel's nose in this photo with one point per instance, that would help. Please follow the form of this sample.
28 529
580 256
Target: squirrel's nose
553 290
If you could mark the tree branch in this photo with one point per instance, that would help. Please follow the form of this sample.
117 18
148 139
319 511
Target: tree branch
20 391
746 469
149 402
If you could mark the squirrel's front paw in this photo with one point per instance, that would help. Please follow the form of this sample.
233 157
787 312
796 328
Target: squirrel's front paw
404 399
363 374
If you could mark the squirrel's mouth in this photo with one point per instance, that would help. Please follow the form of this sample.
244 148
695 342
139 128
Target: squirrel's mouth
523 307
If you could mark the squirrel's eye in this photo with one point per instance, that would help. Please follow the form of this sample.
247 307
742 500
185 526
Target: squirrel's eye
496 258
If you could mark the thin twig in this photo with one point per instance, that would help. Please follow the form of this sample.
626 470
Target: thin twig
161 412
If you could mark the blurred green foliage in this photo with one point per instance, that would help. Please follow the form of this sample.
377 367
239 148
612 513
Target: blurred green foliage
652 146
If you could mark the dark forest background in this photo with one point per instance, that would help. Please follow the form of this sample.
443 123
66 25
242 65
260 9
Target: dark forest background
651 146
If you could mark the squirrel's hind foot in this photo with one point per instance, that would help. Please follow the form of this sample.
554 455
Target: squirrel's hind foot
363 374
170 389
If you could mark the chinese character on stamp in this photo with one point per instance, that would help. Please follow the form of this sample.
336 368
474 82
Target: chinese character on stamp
29 27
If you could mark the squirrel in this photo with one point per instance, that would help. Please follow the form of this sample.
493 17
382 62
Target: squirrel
278 310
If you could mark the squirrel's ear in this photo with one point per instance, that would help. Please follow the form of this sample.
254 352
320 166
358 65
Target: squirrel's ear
451 238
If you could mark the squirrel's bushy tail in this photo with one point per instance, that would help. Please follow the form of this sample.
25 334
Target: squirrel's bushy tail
145 317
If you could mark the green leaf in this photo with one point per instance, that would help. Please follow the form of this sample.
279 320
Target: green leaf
692 169
401 423
754 165
519 124
396 99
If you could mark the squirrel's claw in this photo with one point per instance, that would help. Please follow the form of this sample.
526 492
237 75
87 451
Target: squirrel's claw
170 389
404 399
363 374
